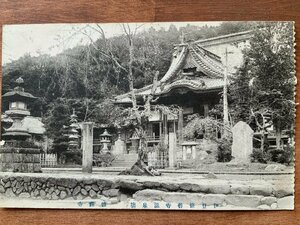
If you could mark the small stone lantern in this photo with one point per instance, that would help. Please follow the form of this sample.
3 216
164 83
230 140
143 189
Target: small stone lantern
105 140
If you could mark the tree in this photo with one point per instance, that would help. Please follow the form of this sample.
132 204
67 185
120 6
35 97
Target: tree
136 112
264 85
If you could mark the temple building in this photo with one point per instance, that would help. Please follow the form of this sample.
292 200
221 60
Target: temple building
194 82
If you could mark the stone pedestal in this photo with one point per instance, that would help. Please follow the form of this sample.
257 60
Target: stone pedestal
105 147
242 145
22 160
87 146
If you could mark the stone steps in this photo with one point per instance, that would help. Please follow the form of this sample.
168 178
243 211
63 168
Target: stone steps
126 160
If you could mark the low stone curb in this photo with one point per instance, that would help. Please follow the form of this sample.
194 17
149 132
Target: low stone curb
218 200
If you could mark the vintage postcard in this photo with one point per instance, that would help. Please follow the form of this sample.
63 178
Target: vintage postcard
178 116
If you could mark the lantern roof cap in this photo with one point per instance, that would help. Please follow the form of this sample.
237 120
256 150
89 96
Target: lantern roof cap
105 134
20 80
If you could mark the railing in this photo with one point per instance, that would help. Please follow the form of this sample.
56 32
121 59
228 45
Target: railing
153 139
156 158
48 160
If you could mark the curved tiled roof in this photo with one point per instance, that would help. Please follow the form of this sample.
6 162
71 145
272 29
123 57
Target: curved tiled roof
193 55
195 85
208 65
178 60
191 84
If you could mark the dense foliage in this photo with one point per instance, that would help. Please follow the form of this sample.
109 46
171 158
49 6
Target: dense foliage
284 155
224 150
264 86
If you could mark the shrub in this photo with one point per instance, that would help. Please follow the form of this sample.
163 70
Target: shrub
196 126
260 156
72 157
103 159
224 150
285 155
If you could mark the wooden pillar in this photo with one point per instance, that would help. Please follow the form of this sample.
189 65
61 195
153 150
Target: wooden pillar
206 109
160 129
180 126
165 127
87 146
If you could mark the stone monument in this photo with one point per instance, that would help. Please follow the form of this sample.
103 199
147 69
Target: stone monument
87 146
119 147
172 150
242 145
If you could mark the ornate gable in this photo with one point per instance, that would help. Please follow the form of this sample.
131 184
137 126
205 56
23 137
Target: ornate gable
192 68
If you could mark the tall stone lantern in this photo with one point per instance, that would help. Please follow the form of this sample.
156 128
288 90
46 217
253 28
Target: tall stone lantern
18 153
18 100
105 140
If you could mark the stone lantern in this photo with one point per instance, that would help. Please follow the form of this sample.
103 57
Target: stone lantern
18 154
105 140
18 100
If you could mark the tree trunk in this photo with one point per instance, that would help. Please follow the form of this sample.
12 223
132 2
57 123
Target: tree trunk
140 167
225 100
130 78
278 138
262 141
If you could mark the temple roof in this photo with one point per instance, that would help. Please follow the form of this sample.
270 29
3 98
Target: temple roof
192 67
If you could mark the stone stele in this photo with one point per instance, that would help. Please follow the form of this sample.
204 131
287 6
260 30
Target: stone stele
242 146
119 147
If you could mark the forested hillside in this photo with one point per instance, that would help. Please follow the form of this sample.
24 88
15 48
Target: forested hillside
88 76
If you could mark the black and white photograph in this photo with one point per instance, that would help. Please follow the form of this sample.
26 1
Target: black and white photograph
151 116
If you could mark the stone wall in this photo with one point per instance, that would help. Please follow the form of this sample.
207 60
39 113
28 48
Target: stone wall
125 188
20 160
